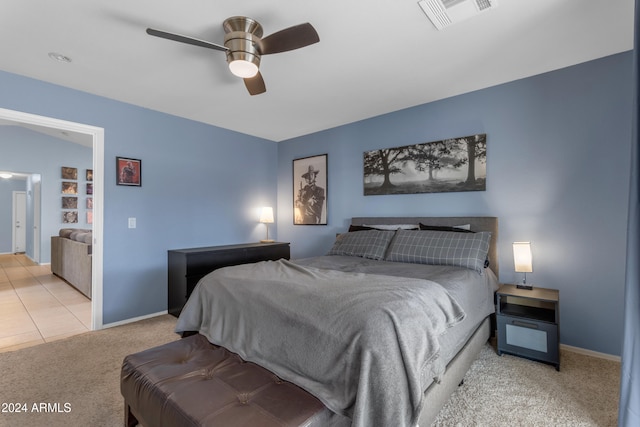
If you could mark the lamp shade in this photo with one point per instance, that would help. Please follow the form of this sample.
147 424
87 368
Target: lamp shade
242 68
266 215
522 257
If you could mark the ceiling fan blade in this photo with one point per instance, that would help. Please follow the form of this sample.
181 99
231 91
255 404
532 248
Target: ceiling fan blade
185 39
255 85
289 39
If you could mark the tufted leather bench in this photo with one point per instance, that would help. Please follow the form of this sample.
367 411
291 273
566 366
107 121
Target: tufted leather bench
191 382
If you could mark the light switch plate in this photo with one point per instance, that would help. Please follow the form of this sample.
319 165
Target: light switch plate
132 223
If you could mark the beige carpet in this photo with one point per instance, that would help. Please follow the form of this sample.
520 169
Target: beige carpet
79 379
511 391
82 371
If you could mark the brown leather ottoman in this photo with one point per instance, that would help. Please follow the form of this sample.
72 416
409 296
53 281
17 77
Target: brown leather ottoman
191 382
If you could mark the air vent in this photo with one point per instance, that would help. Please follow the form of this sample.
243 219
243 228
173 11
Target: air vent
446 12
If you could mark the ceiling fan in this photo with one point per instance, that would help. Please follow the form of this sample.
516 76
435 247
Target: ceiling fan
244 45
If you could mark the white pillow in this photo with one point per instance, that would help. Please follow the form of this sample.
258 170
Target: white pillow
393 226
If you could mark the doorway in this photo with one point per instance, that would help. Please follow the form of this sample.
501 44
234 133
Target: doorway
19 222
97 137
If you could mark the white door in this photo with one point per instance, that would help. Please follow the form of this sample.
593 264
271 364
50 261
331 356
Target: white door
19 221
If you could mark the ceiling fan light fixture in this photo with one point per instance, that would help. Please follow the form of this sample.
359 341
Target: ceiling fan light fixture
243 64
244 46
243 68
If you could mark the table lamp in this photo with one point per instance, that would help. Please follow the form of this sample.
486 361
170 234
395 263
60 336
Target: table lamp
523 262
266 217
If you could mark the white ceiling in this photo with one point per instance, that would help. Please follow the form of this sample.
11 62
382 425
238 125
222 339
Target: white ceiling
374 56
75 137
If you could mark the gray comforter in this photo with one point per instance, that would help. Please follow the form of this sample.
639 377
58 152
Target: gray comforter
365 344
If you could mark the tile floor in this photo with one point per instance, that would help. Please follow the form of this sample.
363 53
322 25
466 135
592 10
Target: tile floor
36 306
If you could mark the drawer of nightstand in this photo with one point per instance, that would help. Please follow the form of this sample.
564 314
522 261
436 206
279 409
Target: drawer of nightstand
528 337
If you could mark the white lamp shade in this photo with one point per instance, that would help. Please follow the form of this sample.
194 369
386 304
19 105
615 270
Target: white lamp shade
266 215
242 68
522 257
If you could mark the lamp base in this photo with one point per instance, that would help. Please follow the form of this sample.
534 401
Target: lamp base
267 241
527 287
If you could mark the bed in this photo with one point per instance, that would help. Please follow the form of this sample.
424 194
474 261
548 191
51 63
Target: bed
381 329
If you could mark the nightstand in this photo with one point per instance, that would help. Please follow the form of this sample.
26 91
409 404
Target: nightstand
529 323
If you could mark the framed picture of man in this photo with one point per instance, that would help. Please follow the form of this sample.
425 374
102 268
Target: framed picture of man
128 171
310 190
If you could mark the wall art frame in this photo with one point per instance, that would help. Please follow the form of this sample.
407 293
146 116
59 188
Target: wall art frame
69 187
67 172
69 202
69 217
310 192
128 171
449 165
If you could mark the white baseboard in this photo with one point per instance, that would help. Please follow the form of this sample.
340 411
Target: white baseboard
580 350
135 319
591 353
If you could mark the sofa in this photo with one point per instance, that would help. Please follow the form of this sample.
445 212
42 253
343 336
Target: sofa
71 258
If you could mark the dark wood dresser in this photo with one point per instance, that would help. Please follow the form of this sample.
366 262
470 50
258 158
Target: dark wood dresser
188 266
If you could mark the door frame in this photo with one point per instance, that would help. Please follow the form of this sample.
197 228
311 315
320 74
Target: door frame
97 135
35 191
14 208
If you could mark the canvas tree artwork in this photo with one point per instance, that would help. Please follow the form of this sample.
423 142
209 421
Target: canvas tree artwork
449 165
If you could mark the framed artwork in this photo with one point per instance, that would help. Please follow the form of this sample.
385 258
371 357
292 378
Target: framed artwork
449 165
89 217
70 217
89 175
89 188
69 202
69 187
128 171
89 203
310 190
69 173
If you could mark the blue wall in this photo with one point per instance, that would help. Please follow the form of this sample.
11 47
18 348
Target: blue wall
557 175
7 187
558 149
31 152
201 185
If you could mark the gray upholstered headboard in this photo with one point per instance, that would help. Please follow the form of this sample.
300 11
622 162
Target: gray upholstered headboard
478 223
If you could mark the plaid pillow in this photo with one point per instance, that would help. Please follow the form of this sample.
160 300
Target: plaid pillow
467 250
366 244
